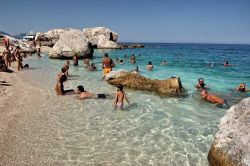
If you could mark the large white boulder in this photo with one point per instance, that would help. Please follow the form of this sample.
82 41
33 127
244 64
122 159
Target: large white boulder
71 42
102 37
231 144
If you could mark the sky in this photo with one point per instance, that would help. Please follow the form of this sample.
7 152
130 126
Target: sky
171 21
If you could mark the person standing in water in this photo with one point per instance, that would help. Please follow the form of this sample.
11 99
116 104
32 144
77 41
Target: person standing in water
119 97
75 60
107 65
150 66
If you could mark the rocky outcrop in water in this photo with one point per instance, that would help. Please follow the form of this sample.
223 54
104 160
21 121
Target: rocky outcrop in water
102 37
71 42
169 87
231 146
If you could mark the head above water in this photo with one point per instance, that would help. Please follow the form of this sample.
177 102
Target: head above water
149 63
120 87
106 55
204 94
80 88
63 70
200 80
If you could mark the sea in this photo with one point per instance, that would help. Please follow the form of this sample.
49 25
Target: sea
154 130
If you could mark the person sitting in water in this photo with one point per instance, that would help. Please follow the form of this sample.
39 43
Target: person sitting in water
86 62
88 95
211 98
92 67
75 59
200 84
227 64
163 63
119 97
150 66
60 88
242 88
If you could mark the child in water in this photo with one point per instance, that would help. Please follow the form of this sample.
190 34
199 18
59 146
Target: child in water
119 97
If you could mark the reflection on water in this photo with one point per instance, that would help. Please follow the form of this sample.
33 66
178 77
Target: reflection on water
154 130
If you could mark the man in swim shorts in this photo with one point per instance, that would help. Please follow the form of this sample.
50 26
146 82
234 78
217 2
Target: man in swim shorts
107 64
88 95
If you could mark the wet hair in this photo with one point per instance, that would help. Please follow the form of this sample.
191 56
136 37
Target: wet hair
149 63
80 88
227 62
63 69
92 64
63 78
200 79
18 47
120 87
121 60
202 85
106 54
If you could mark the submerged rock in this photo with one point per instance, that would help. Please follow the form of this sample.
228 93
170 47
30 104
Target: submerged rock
168 87
71 42
102 37
231 146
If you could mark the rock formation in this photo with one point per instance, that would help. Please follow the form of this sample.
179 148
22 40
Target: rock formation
231 146
71 42
168 87
51 35
102 37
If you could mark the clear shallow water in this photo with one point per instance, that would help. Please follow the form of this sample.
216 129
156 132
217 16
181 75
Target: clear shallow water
159 131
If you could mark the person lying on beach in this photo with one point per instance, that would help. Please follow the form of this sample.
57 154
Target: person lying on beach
3 67
200 85
60 88
119 97
242 88
163 63
211 98
92 67
88 95
150 66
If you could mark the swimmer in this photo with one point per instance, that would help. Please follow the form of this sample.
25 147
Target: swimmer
200 84
227 64
242 88
211 98
121 61
163 63
92 67
132 59
119 97
150 66
60 88
88 95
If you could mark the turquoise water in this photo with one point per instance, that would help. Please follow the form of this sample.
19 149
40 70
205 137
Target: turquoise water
158 131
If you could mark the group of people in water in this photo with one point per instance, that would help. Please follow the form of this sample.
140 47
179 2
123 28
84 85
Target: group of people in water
108 64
